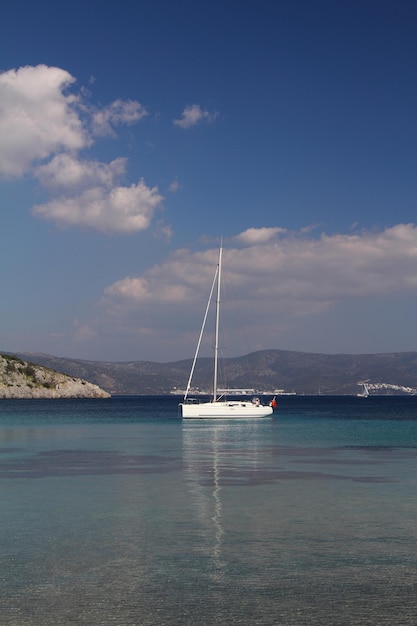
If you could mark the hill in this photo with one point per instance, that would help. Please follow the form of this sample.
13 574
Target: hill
299 372
20 379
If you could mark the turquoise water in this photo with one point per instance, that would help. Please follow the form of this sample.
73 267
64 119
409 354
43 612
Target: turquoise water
116 512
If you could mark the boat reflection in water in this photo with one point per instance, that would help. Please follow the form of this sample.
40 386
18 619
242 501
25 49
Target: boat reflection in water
218 456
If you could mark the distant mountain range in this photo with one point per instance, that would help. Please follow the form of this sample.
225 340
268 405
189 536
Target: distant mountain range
266 370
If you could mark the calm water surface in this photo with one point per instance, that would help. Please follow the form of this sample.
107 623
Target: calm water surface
117 512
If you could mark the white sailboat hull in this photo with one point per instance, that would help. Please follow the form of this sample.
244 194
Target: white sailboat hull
224 410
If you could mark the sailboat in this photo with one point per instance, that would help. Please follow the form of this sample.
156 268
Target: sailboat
365 391
219 407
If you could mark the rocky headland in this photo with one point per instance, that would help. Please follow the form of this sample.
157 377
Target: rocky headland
21 379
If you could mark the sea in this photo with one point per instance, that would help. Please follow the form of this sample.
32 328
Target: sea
117 512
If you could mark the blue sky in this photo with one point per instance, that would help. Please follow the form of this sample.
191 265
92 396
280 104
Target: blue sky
133 135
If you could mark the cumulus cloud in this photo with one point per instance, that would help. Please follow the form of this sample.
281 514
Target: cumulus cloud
42 129
138 289
274 282
114 210
118 112
37 117
331 267
65 171
193 115
253 236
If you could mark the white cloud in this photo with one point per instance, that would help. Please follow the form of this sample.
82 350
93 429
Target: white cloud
118 112
181 278
65 171
114 210
37 117
174 187
275 283
141 289
42 130
193 115
253 236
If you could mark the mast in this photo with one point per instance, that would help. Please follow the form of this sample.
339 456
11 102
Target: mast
216 332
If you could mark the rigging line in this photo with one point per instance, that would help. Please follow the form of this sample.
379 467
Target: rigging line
201 334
